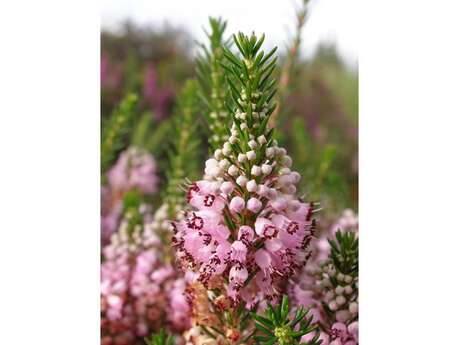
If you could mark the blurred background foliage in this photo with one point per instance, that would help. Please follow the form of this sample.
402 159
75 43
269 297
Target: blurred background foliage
144 70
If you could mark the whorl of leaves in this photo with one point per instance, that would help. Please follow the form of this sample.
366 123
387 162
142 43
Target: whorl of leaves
276 327
345 252
116 130
252 88
160 339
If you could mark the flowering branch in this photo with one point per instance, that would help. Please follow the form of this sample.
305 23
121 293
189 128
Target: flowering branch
288 69
248 232
115 131
211 77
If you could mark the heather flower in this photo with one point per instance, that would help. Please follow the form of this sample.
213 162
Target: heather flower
158 99
135 168
138 289
246 226
330 286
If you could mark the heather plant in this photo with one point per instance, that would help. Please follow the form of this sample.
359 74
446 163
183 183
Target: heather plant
152 62
212 85
212 262
182 164
329 284
116 130
289 70
133 174
246 232
141 290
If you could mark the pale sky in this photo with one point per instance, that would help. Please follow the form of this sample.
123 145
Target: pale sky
330 20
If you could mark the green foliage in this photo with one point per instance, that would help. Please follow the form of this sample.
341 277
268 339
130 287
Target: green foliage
290 71
213 91
321 178
276 326
252 87
183 155
160 339
116 130
143 130
345 252
339 275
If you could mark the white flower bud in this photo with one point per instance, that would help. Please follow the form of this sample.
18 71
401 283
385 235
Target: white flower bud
353 308
343 316
270 151
348 289
253 144
211 162
287 161
233 170
348 279
241 157
284 171
241 180
256 170
251 155
284 180
332 305
295 176
263 190
243 125
252 186
340 300
218 154
339 290
226 150
227 187
261 139
266 169
224 164
215 171
232 139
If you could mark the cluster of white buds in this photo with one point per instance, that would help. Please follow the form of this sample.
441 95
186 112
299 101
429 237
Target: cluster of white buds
255 173
341 296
